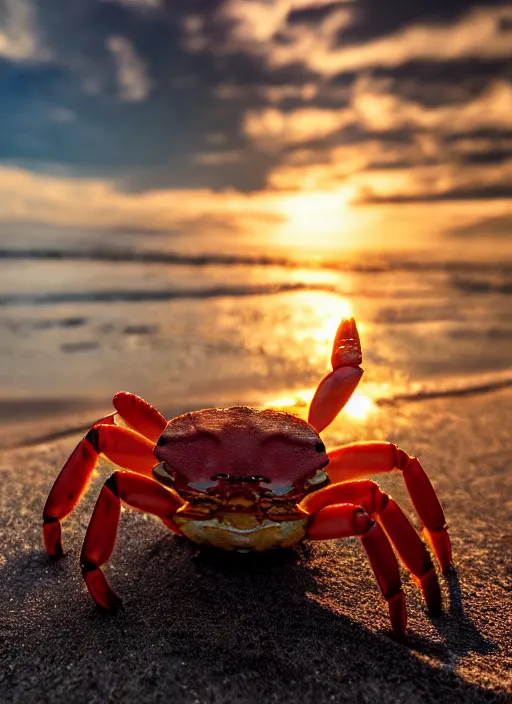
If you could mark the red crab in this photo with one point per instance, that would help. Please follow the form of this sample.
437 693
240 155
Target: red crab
245 479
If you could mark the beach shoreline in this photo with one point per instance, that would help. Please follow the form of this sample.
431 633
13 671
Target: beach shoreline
199 628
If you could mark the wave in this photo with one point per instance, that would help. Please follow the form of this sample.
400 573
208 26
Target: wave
154 296
366 264
139 296
467 388
464 389
482 286
391 315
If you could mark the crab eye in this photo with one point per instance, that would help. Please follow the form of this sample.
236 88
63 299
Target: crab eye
320 447
259 478
216 477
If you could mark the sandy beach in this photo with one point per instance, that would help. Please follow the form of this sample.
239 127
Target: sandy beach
196 331
303 626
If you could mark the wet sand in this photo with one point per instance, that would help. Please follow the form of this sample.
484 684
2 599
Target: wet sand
304 626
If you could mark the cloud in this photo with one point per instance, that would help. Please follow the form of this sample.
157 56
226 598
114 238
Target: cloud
483 148
262 29
496 227
271 127
139 4
331 167
373 174
97 204
257 96
221 157
378 109
499 192
254 22
444 181
132 75
19 39
393 148
374 107
268 93
477 34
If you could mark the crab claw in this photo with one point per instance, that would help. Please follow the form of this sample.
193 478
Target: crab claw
337 387
346 349
332 394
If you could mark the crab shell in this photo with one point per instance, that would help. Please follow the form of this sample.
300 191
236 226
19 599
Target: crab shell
243 473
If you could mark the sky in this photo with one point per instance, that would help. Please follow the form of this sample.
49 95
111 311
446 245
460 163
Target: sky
244 115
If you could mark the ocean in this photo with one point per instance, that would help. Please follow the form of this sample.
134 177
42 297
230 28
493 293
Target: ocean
188 325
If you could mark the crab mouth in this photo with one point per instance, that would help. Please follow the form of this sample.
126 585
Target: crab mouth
219 490
238 491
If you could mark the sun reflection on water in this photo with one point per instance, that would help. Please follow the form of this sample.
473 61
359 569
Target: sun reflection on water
327 312
323 316
359 407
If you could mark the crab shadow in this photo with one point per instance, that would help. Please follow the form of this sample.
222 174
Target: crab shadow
195 617
457 629
287 584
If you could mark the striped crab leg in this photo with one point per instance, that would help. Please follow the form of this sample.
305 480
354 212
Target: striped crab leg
345 520
126 447
135 491
403 536
365 459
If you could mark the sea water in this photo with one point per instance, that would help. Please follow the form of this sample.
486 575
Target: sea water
217 324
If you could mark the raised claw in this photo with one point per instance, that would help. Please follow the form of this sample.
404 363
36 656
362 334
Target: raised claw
337 387
346 350
332 394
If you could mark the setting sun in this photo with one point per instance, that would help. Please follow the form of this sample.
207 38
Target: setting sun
315 218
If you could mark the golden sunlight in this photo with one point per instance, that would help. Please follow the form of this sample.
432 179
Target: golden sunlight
359 407
297 397
315 219
326 329
326 312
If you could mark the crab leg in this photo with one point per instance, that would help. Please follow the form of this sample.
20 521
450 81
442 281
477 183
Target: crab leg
139 414
337 387
138 492
346 520
368 458
403 536
122 446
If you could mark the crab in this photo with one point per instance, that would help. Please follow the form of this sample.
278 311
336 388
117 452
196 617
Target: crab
248 479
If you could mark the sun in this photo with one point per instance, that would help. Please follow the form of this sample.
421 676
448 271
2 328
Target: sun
315 219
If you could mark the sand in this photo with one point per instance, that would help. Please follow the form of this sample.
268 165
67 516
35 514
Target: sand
304 626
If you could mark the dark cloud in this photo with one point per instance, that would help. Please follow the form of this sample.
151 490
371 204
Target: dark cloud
492 156
499 226
147 143
375 18
151 97
498 192
316 13
247 173
435 83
